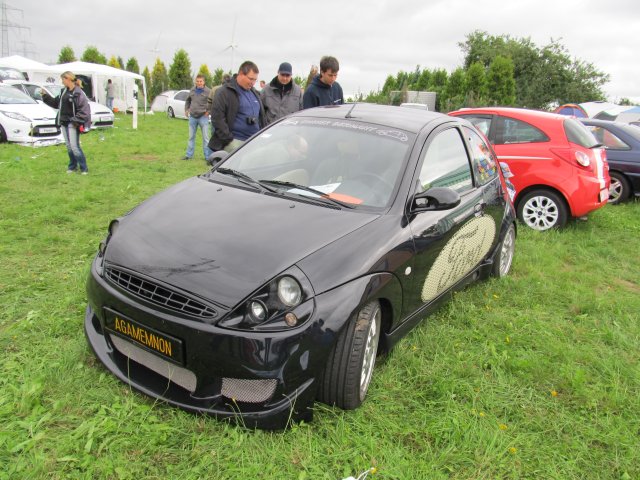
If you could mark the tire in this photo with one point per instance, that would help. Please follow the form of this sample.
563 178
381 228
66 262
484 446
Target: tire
504 256
170 113
349 368
620 189
3 135
543 210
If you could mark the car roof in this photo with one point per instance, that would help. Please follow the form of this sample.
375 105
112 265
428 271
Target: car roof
409 119
515 112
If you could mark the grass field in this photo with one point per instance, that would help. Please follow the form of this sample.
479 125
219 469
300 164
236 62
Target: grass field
533 376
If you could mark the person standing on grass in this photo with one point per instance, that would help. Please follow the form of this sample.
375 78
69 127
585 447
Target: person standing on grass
197 111
73 114
110 94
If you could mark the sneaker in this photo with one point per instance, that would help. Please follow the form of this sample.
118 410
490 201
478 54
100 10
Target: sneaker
84 173
70 171
186 158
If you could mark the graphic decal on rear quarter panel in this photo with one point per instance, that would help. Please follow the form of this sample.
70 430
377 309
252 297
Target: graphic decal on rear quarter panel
459 256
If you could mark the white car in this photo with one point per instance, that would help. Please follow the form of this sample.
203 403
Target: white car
25 121
101 116
175 104
159 103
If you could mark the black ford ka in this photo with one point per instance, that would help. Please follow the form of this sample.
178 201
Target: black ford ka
277 277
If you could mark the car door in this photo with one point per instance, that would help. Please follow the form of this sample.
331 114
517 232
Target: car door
447 244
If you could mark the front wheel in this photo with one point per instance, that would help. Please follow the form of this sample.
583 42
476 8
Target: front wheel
504 256
349 368
542 210
620 189
170 113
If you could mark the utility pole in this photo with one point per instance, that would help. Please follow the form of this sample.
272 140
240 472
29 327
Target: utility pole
6 24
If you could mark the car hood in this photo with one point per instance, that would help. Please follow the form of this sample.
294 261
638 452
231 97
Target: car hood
34 111
220 242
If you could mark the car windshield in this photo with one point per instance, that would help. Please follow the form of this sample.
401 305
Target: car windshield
579 134
12 96
353 163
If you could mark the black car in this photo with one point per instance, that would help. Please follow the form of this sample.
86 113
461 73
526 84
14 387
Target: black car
622 142
277 277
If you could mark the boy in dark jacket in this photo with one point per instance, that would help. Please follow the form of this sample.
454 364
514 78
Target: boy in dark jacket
324 90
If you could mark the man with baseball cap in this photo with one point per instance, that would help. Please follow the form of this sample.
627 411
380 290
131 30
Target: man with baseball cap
282 95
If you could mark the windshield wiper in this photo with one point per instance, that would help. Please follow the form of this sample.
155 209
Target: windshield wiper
323 196
244 178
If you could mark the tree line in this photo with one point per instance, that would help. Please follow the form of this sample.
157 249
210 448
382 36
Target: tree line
497 70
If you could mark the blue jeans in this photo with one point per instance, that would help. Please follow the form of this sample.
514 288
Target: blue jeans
194 123
76 155
110 103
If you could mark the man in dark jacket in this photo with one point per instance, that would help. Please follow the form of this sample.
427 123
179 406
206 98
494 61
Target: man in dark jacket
237 111
282 96
324 90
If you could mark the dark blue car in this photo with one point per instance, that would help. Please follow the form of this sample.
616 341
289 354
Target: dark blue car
275 278
622 142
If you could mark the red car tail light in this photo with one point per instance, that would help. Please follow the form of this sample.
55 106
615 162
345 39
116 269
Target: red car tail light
572 155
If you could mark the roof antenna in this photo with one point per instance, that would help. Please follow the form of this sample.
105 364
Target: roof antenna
348 115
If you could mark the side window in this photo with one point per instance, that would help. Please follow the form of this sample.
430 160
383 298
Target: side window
608 139
510 130
445 163
481 123
485 167
182 95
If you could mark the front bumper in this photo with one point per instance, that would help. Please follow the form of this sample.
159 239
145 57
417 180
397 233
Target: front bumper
257 379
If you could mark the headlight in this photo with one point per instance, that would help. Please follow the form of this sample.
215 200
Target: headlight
17 116
284 302
289 291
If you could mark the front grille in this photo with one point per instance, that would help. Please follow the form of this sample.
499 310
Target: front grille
178 375
248 391
159 294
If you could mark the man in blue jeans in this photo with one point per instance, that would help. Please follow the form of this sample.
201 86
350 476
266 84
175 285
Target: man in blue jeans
196 109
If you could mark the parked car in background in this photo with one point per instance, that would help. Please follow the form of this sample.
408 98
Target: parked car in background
175 104
274 279
101 116
622 142
8 73
559 168
25 121
159 103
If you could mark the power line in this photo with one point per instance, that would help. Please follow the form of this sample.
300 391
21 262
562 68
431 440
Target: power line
6 24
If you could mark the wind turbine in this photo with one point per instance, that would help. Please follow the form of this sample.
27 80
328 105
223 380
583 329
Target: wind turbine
155 49
232 46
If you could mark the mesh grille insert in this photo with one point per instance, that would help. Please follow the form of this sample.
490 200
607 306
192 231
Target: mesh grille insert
158 294
249 391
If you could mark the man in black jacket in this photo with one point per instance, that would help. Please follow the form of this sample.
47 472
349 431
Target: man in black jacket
237 111
324 90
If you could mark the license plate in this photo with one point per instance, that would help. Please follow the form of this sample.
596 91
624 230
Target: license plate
604 194
166 346
48 130
106 118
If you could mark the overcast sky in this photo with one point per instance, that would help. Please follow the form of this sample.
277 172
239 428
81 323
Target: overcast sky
371 39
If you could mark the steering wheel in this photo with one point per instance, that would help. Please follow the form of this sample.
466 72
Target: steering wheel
380 188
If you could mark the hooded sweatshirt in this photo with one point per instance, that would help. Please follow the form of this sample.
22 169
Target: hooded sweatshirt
319 94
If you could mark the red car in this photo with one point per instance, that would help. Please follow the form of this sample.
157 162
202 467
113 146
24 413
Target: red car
560 169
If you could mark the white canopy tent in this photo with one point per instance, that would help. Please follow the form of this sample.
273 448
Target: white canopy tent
25 65
125 88
124 81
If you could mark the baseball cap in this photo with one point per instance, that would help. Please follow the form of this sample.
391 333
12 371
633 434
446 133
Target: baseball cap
285 67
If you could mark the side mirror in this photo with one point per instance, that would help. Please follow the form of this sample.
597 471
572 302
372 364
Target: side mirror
436 198
216 157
